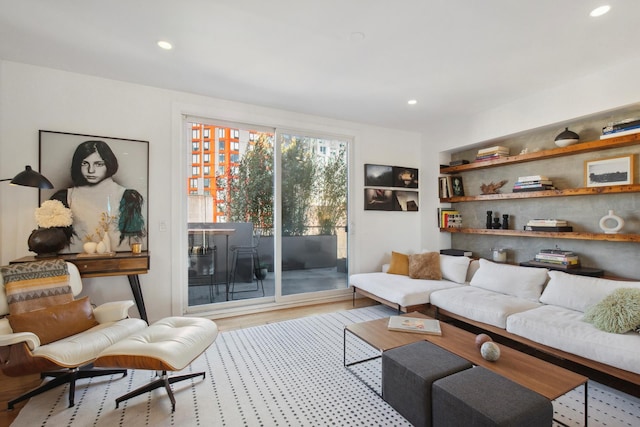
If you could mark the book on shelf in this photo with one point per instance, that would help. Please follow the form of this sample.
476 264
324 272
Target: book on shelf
441 215
574 259
557 251
547 222
456 252
552 265
414 324
620 133
621 125
480 158
533 182
533 178
536 188
494 149
458 162
548 228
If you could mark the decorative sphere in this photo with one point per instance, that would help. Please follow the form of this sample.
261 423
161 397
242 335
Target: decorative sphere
90 247
490 351
481 339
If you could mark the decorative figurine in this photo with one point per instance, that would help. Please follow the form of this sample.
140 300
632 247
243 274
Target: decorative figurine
489 219
496 223
505 222
492 188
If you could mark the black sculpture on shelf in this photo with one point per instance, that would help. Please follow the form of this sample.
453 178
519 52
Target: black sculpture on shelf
489 219
496 223
505 222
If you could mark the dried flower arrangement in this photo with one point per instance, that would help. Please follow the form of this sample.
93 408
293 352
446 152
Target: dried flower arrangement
52 213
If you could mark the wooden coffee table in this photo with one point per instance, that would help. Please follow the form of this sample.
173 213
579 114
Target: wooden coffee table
543 377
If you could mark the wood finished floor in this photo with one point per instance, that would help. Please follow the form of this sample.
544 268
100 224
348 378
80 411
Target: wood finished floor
245 321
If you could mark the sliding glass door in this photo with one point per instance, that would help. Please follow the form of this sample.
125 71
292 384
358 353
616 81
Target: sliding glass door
313 228
251 241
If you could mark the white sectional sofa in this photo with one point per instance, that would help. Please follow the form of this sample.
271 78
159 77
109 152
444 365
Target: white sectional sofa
542 309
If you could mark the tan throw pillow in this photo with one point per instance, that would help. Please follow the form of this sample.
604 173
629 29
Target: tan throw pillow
56 322
425 266
399 264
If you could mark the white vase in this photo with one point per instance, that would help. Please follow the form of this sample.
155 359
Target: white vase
611 217
90 247
107 242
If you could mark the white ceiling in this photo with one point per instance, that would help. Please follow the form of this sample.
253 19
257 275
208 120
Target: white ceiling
456 57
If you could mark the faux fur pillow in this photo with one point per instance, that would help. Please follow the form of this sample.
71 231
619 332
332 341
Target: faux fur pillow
617 313
425 266
399 264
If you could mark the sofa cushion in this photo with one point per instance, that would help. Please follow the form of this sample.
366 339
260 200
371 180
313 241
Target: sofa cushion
618 313
523 282
564 329
579 292
399 289
425 266
59 321
399 264
480 304
454 268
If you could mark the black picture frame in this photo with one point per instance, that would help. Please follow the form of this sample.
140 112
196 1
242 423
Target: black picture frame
56 154
378 199
405 177
378 175
406 201
457 187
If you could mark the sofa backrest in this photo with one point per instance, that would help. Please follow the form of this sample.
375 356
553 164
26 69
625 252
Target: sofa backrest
580 292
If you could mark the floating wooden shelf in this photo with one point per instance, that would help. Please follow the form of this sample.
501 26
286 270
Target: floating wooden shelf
548 234
581 147
586 191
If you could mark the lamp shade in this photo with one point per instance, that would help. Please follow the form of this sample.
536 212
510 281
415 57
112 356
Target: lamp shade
30 178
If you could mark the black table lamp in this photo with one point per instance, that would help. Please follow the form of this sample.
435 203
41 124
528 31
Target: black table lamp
30 178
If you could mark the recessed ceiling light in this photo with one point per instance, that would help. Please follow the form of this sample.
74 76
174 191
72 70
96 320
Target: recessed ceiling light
412 102
165 45
599 11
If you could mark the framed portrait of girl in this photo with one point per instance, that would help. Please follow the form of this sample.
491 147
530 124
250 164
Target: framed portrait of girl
105 183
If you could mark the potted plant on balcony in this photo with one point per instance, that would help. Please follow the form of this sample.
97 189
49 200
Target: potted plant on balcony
261 271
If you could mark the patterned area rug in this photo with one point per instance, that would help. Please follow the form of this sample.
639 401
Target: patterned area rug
283 374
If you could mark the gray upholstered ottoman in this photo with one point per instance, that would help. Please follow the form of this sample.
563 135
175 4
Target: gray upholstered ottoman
407 375
479 397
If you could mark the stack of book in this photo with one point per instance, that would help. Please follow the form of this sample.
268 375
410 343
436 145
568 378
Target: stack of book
449 218
491 153
533 183
557 258
623 127
548 225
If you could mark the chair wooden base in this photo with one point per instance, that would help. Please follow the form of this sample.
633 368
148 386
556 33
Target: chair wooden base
69 376
164 381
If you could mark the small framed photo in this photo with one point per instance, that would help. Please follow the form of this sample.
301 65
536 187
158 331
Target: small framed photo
405 177
378 199
457 189
407 201
611 171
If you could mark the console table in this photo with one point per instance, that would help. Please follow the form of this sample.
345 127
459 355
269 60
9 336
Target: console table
119 264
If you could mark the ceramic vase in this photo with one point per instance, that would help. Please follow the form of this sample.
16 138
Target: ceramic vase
47 242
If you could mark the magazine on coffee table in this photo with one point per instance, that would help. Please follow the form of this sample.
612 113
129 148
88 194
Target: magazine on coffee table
414 324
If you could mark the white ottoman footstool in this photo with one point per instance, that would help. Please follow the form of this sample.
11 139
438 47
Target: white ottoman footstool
170 344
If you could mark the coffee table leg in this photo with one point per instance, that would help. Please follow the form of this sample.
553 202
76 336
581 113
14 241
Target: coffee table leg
586 407
357 362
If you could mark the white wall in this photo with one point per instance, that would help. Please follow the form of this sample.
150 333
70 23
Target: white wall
610 89
34 98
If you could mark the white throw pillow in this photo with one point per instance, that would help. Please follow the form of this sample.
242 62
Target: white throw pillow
522 282
579 292
454 268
